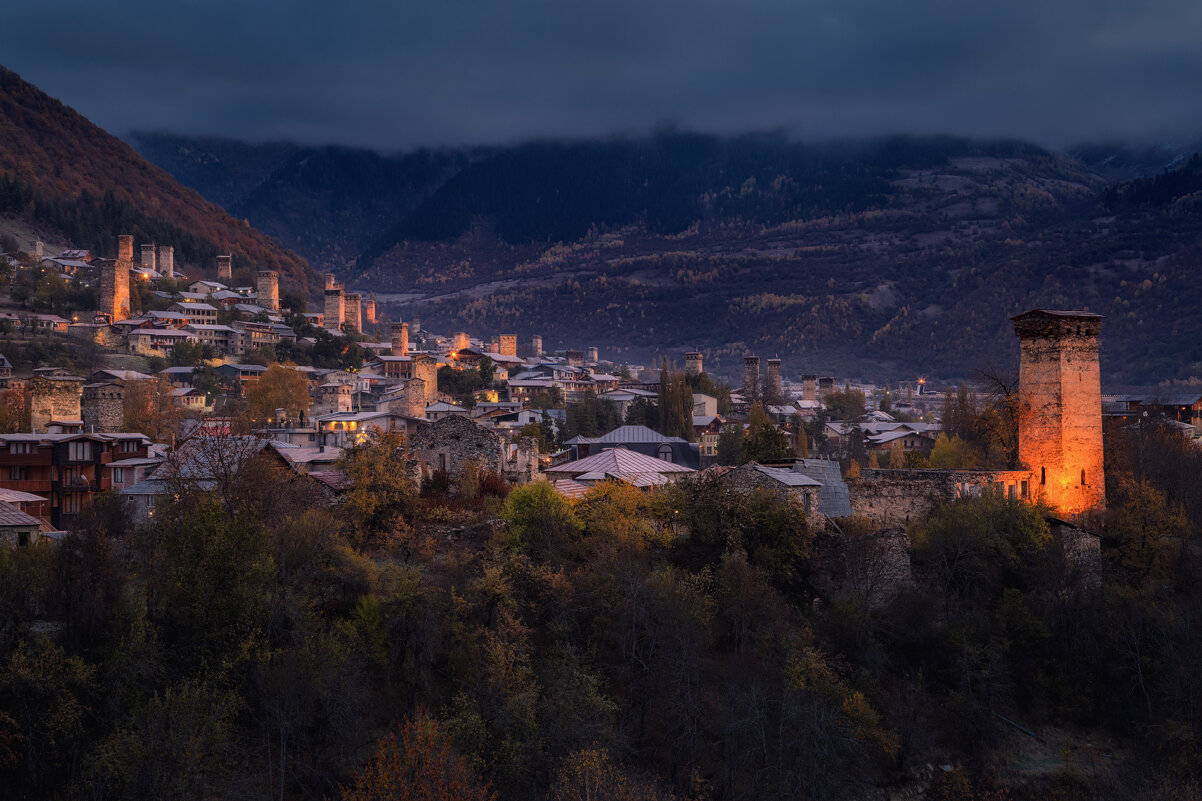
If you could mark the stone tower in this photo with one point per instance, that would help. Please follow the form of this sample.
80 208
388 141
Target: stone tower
693 364
102 408
269 289
167 261
149 258
352 311
400 339
592 355
751 378
114 281
55 398
508 344
1060 424
809 387
225 268
426 368
331 281
536 346
369 309
334 309
772 388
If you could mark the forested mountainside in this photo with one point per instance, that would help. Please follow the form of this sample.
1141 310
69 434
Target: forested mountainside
867 258
61 171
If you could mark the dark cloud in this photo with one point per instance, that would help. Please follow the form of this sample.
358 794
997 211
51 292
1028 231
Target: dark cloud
474 71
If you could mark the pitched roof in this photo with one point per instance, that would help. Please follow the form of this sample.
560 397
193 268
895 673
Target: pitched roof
834 500
622 463
12 516
623 435
790 478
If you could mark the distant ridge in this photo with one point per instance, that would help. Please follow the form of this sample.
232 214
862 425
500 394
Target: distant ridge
75 176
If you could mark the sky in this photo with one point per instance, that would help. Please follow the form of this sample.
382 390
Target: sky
397 74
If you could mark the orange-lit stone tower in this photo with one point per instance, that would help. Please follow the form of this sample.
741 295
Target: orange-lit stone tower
1060 428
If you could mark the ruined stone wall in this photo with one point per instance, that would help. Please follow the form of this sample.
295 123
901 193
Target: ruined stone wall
508 344
1060 426
896 497
53 399
693 364
225 268
450 443
353 311
269 289
102 408
746 478
333 309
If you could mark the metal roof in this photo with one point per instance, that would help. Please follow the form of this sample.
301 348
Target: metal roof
834 500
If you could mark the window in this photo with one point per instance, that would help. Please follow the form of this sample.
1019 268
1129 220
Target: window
79 450
129 446
23 538
665 452
118 475
1026 490
1082 477
18 473
70 504
1043 475
20 447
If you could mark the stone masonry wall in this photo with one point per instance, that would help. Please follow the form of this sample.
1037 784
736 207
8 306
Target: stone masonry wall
53 399
895 497
102 408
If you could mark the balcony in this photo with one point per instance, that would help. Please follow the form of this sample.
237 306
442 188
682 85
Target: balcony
39 486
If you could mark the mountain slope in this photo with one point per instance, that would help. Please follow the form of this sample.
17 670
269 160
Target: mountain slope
76 170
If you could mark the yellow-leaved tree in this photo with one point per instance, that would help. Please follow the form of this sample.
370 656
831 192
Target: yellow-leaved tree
281 387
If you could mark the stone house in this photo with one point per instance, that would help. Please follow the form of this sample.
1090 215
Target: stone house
450 443
782 482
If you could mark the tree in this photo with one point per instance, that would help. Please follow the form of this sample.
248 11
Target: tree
417 763
675 404
539 519
897 455
764 440
189 354
845 404
279 388
148 407
379 495
487 369
730 445
14 411
590 774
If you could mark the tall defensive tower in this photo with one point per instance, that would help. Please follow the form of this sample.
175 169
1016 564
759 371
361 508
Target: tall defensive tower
1060 426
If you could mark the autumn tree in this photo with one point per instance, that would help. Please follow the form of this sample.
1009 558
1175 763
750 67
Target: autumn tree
148 407
417 763
764 440
14 411
379 494
591 774
280 387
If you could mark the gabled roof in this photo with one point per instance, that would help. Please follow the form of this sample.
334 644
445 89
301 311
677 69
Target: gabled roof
12 516
790 478
621 463
623 435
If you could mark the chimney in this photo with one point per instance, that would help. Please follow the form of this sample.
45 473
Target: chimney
167 261
225 268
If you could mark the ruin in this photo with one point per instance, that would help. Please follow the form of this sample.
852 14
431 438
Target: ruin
114 281
269 289
225 268
448 445
1060 390
693 364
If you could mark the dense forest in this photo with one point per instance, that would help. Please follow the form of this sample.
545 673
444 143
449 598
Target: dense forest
464 639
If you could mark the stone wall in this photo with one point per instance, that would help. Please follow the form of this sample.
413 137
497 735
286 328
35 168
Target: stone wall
53 399
167 261
334 399
747 478
102 408
411 401
426 368
508 344
150 259
400 339
450 443
896 497
536 346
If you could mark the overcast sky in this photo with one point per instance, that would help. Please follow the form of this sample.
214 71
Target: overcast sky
397 74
